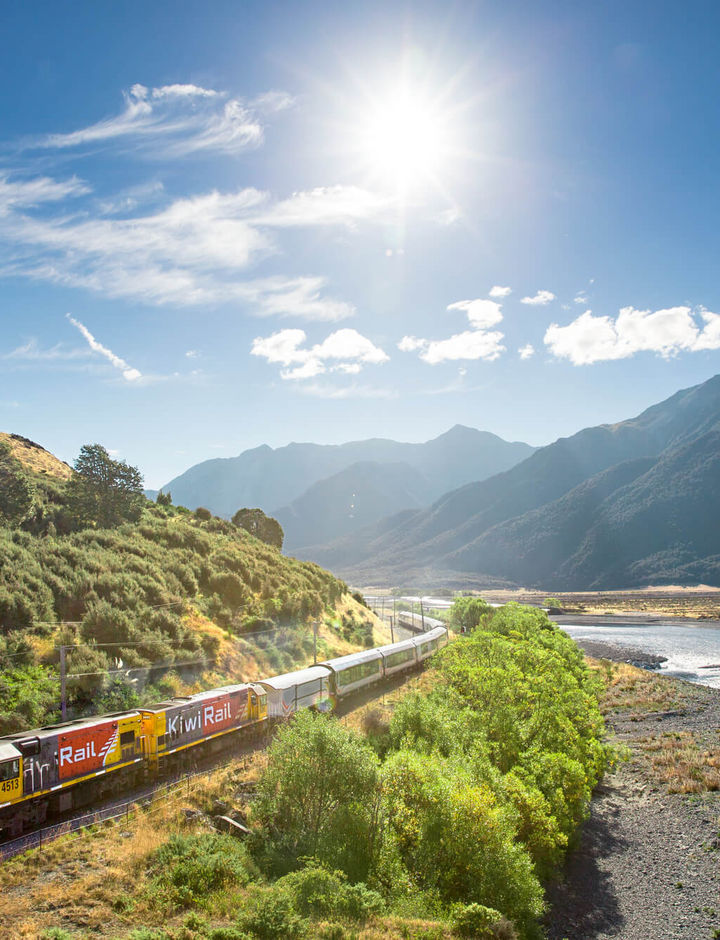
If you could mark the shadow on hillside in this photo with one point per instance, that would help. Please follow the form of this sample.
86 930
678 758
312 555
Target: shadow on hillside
583 902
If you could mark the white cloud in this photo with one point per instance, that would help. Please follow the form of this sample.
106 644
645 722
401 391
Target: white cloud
325 205
189 252
666 332
472 344
580 298
344 350
449 216
527 351
192 354
128 372
541 299
411 343
28 193
318 390
176 120
500 292
481 313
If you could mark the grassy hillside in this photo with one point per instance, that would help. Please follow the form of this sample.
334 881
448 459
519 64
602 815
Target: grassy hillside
170 602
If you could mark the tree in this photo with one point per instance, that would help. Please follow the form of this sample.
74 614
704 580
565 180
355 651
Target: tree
320 795
164 499
17 494
102 491
263 527
467 612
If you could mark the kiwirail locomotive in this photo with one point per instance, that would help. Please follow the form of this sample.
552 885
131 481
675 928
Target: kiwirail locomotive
50 770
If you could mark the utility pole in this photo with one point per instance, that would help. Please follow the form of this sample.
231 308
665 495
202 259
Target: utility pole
392 621
422 615
315 642
63 697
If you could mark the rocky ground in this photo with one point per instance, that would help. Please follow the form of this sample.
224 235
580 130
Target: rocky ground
647 866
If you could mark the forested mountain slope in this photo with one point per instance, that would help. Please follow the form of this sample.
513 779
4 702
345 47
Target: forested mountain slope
615 505
273 478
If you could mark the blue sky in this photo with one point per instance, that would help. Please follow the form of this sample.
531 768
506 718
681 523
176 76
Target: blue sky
227 224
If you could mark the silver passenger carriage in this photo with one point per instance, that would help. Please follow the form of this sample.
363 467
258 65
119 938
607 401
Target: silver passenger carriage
356 670
398 656
294 691
428 642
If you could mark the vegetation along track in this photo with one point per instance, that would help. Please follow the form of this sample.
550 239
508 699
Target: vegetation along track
115 807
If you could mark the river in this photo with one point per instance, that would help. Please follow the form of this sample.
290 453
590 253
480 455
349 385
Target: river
692 651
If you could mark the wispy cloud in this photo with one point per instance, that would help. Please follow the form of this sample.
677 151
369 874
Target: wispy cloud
192 251
589 339
541 299
29 193
353 390
33 352
176 120
527 351
500 292
580 298
128 372
345 351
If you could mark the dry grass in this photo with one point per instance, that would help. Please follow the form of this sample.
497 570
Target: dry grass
676 759
633 690
36 458
701 602
87 881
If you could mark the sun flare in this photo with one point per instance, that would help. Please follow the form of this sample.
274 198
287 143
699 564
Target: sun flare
404 139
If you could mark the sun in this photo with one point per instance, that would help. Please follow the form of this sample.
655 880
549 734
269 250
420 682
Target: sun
404 139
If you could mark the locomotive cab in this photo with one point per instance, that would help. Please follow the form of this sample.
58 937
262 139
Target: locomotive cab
10 773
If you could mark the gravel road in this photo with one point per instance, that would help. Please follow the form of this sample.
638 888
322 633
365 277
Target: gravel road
647 866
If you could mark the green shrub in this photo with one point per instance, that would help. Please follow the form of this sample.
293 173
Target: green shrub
481 923
318 892
270 915
187 869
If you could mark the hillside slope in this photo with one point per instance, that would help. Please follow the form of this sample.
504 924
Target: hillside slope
613 505
172 602
271 478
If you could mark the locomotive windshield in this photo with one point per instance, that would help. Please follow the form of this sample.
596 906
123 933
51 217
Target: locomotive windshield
9 769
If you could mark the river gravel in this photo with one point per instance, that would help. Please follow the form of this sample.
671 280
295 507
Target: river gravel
647 866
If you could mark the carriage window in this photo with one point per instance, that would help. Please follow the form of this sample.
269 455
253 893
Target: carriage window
9 769
161 740
127 737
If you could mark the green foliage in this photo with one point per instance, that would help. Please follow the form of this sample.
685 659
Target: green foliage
104 492
187 869
552 602
28 695
270 915
481 923
261 526
17 493
319 892
163 499
467 613
319 797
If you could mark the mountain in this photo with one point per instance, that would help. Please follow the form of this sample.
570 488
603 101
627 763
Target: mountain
612 506
363 492
271 478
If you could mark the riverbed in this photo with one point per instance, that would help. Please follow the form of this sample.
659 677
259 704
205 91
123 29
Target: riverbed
689 650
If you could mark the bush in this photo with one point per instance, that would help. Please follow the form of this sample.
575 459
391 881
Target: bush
187 869
270 916
481 923
319 892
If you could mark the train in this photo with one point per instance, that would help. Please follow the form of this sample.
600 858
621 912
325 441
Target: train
52 770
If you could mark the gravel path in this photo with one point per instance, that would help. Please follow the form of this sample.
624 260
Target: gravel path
647 866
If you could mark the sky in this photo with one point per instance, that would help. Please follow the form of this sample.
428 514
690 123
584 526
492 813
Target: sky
226 224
